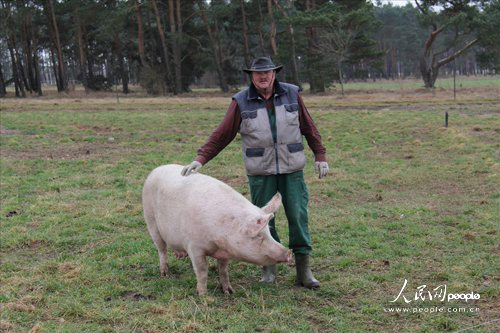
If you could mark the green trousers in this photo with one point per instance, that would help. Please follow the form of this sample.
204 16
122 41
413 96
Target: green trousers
294 197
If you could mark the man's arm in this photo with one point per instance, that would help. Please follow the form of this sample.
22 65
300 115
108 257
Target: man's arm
309 130
222 135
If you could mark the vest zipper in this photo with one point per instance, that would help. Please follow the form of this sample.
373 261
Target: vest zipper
277 160
276 139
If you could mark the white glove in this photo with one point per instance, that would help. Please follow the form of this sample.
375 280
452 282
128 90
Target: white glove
192 167
321 168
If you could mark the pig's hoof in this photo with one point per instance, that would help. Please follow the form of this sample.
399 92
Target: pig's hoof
268 279
268 274
228 290
309 285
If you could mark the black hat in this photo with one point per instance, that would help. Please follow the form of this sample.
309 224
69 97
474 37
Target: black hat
262 64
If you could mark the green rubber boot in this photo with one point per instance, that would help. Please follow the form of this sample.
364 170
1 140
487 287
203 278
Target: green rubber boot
305 277
268 274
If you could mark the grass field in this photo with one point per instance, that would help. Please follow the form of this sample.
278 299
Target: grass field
406 199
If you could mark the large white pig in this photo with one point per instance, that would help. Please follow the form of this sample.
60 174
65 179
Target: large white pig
200 216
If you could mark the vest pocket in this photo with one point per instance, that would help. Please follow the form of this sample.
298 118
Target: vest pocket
294 156
292 107
249 114
254 152
259 161
295 147
292 113
248 121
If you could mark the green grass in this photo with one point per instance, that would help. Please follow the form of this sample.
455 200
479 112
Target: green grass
407 199
396 85
441 83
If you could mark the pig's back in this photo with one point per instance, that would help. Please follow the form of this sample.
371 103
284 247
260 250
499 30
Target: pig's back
194 192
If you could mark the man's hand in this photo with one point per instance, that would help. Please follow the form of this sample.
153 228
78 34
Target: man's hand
191 168
321 168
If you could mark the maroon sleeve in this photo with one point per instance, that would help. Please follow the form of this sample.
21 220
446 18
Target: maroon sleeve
222 135
309 130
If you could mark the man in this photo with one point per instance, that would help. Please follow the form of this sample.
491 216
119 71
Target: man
272 118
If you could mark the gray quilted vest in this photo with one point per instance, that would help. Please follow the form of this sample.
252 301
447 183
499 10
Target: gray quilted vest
261 154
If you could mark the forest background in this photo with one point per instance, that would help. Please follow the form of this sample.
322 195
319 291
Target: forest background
171 46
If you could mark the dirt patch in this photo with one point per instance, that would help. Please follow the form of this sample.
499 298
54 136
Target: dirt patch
234 181
36 243
134 296
20 306
5 326
4 131
69 270
485 135
99 129
12 213
375 265
82 151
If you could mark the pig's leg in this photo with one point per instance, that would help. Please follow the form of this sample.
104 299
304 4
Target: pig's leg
199 261
224 276
162 248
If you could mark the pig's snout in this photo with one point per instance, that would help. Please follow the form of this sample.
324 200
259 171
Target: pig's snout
287 256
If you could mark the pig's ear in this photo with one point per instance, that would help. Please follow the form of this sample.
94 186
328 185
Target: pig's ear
257 225
273 204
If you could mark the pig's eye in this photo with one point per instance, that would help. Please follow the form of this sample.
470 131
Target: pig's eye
258 236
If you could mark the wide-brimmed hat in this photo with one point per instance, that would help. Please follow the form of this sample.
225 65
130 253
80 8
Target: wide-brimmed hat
262 64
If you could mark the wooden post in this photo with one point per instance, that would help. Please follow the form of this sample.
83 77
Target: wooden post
454 80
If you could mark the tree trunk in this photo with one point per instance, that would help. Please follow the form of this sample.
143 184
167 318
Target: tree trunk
293 53
176 52
22 68
246 49
429 76
218 46
121 63
55 30
37 73
124 74
3 90
81 52
213 47
90 63
314 68
15 70
163 46
24 84
339 68
27 38
272 37
140 34
261 35
44 68
109 66
54 67
179 42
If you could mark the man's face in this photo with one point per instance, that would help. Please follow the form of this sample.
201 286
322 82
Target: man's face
263 80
